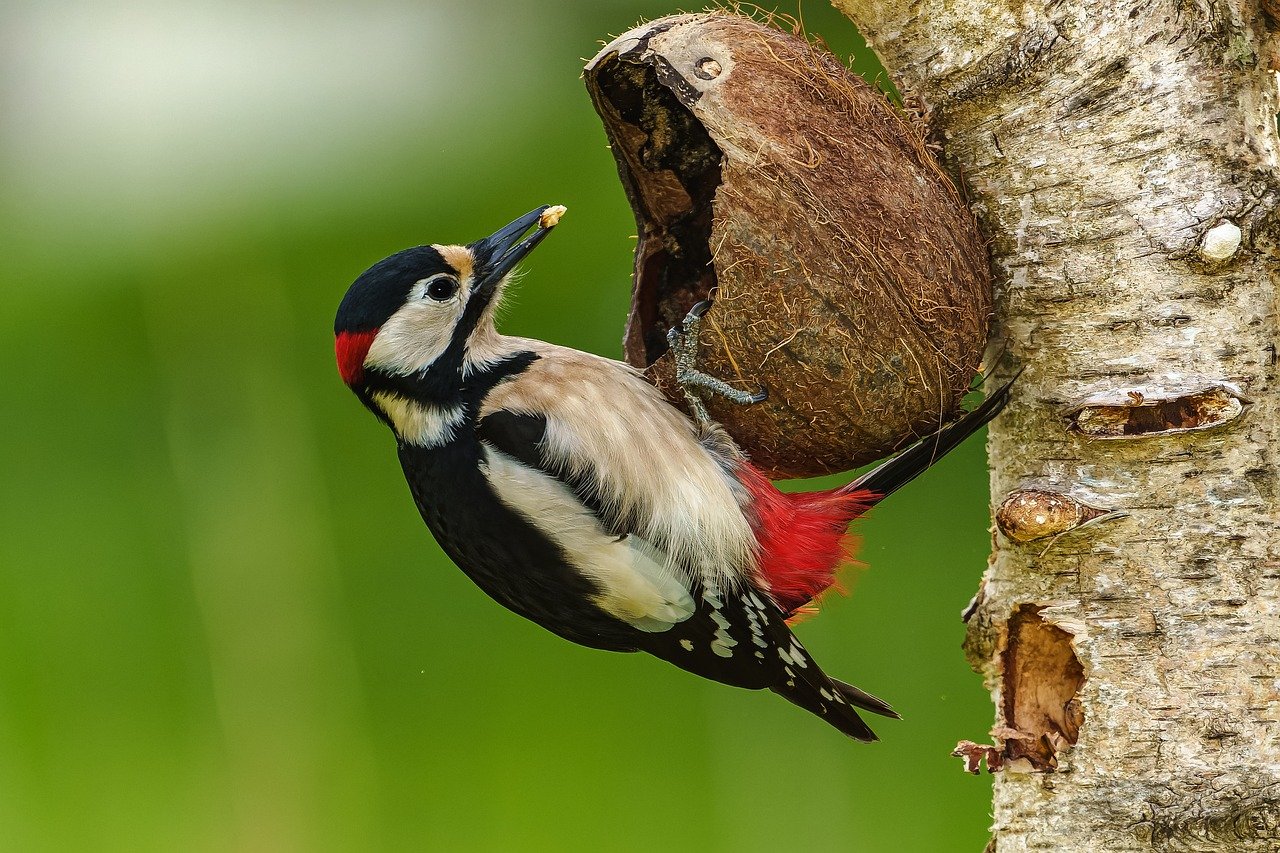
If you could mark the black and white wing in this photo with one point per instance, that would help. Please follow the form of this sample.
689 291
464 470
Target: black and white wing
734 634
632 579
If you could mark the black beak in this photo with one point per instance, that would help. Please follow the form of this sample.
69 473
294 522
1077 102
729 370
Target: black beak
498 254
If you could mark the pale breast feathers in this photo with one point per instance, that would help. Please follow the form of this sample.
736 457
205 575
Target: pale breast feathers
611 434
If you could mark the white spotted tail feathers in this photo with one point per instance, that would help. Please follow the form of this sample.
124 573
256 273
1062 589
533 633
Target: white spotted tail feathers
803 683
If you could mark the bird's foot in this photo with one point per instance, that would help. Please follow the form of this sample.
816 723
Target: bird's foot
684 347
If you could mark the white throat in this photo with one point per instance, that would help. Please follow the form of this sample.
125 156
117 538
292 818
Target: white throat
419 424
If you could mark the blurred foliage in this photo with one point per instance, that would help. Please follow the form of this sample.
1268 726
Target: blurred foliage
222 624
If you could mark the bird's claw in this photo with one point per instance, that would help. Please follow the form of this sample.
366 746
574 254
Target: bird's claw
684 347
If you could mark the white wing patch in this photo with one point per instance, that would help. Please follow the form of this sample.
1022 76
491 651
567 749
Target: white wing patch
637 583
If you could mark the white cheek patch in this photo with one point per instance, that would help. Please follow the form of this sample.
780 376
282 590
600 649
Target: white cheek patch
636 583
414 337
424 426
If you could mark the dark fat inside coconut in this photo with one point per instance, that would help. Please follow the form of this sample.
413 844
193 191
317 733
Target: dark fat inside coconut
671 169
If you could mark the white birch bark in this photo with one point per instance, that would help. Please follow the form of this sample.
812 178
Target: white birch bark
1122 159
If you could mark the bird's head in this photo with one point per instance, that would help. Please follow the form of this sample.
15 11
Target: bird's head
429 308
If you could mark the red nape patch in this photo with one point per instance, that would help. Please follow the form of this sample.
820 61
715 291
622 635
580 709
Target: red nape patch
351 348
803 537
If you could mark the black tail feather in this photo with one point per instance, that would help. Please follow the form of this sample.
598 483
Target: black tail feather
807 693
893 474
865 700
834 701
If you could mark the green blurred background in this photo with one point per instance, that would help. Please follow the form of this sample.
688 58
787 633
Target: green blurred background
222 624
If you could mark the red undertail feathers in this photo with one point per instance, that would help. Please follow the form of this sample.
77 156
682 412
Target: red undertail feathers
803 538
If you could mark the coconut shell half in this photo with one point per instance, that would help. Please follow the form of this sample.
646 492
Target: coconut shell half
847 272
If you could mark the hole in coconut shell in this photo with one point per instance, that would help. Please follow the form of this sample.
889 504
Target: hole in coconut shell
707 68
671 169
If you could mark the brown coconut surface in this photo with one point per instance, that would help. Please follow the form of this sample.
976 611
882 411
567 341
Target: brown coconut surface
848 275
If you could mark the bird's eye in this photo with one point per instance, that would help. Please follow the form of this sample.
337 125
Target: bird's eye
442 288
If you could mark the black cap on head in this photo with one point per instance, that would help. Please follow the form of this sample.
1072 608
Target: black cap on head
382 289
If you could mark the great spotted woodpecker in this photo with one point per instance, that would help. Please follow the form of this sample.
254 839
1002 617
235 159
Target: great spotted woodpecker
573 493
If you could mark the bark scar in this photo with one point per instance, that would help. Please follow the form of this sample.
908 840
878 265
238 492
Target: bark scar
1145 413
1028 514
1040 680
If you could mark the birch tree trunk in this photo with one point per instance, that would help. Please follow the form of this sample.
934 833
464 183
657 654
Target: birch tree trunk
1122 160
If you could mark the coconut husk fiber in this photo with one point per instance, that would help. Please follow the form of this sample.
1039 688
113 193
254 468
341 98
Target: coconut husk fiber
847 273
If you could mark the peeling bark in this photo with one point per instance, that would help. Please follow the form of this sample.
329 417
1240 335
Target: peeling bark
1122 159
